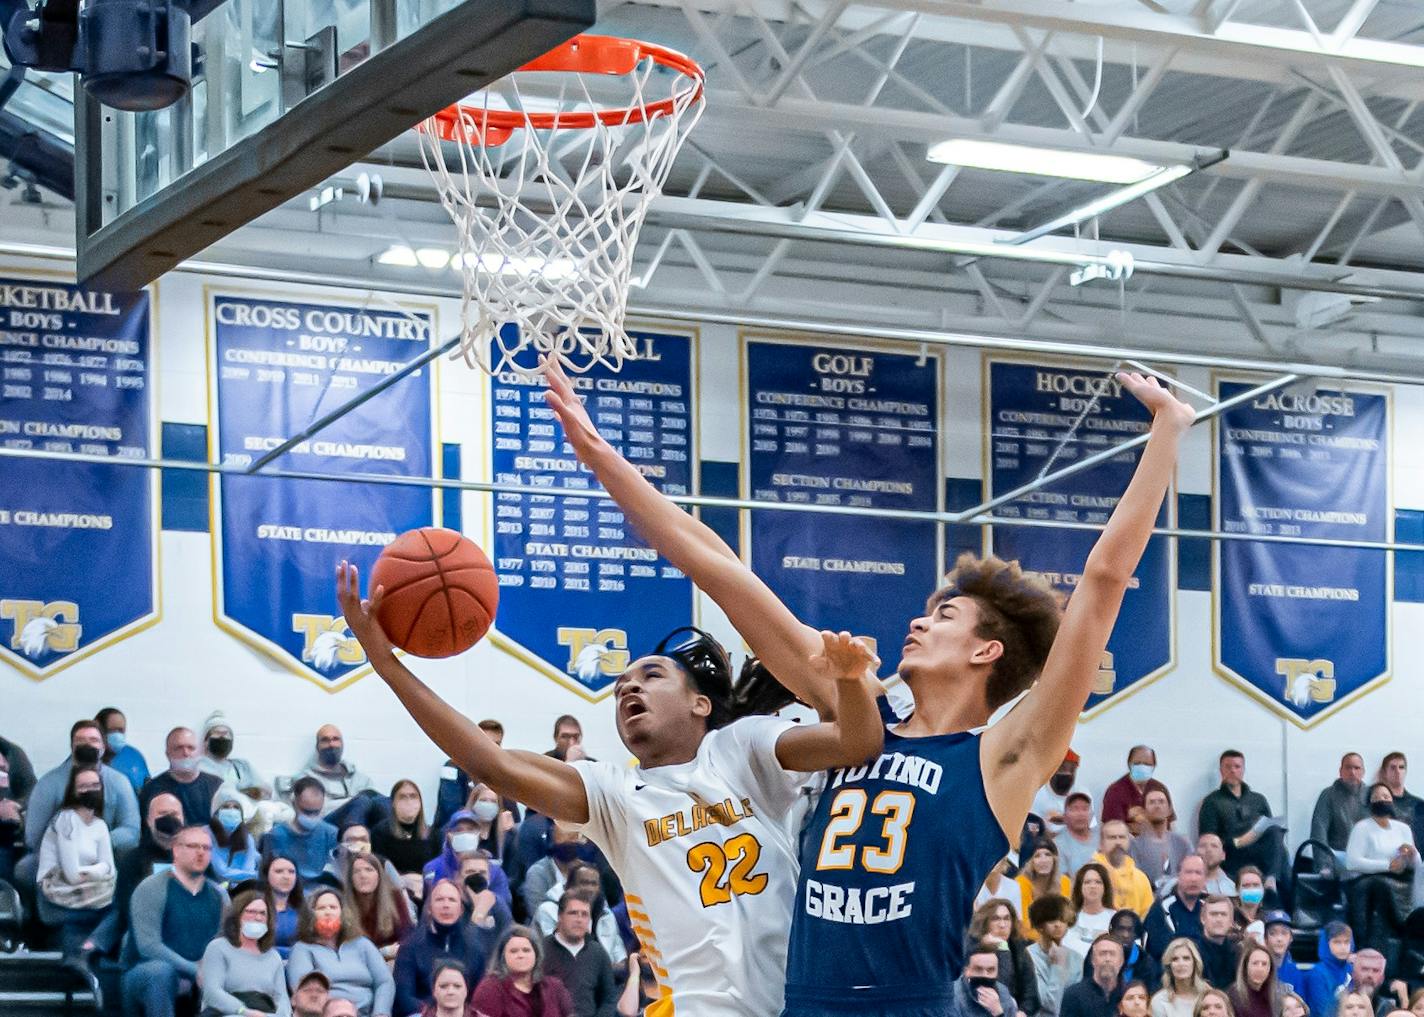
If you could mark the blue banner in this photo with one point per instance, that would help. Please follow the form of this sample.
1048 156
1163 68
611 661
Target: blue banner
580 594
78 542
278 366
845 427
1304 629
1041 417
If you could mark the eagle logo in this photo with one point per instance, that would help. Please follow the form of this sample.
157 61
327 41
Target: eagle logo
35 636
589 662
326 650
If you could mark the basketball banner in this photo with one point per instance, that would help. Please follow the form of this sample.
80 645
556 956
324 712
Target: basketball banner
844 427
276 367
580 594
78 541
1304 629
1041 416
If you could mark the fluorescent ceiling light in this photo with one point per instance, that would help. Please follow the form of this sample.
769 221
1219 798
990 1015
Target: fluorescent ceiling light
1043 162
432 257
398 254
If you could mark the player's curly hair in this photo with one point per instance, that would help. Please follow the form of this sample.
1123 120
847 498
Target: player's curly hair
1019 609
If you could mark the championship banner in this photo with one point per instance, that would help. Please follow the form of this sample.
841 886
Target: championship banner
1041 416
1304 629
78 541
278 366
580 594
844 427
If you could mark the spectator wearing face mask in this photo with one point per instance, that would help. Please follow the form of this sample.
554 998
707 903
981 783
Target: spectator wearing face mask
462 840
1382 854
183 779
217 759
121 812
77 873
404 838
118 753
482 907
1077 841
996 924
349 794
978 992
241 972
1253 900
494 823
1051 802
551 872
305 838
1158 850
162 821
235 854
1128 793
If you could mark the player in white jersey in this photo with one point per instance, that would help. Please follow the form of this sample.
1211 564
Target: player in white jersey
702 832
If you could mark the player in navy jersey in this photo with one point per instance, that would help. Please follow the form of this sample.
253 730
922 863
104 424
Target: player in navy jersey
896 849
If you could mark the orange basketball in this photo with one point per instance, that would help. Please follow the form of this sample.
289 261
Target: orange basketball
440 592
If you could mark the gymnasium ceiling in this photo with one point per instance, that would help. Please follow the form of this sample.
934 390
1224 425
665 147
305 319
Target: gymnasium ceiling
809 168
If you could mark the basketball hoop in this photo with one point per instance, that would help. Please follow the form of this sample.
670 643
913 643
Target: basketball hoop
548 202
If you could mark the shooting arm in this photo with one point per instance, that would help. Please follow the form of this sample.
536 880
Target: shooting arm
857 733
547 785
1022 751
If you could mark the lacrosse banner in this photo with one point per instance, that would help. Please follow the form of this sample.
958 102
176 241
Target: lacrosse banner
1039 417
78 541
844 427
579 593
278 366
1303 628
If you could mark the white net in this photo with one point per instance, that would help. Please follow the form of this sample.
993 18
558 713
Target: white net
548 213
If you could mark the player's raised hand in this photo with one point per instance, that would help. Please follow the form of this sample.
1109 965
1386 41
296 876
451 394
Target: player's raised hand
1166 408
361 614
843 656
569 408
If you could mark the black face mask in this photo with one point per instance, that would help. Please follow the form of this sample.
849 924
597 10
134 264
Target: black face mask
86 755
90 799
167 825
1385 810
219 747
1060 783
477 882
980 982
329 756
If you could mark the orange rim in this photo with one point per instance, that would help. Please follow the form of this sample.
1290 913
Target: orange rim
583 54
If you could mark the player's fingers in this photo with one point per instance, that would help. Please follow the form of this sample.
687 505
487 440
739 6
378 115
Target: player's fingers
376 597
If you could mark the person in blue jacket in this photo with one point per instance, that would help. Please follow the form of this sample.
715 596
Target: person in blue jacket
118 753
1279 937
1332 973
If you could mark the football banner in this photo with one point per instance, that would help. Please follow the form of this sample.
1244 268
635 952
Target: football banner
580 593
1304 629
277 366
78 541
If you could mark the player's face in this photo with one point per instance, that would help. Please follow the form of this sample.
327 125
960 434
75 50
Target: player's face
519 956
656 705
943 642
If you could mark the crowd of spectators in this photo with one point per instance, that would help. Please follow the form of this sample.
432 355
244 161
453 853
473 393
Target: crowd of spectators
213 891
217 892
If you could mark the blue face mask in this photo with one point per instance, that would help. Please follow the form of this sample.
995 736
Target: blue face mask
308 822
1140 772
230 820
116 740
1252 894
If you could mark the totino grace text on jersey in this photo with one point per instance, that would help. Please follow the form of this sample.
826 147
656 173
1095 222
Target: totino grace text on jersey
680 824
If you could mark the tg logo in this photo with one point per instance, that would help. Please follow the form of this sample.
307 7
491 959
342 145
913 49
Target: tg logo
326 644
595 653
41 627
1306 681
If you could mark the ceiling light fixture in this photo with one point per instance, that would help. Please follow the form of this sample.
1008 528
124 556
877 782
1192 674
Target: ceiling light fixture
1042 162
398 254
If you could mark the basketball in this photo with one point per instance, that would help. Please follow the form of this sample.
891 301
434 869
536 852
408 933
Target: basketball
440 592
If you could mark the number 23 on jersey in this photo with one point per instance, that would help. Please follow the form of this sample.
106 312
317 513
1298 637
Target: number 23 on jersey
848 812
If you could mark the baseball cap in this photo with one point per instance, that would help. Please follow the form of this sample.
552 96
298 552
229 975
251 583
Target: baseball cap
1276 918
1074 796
319 976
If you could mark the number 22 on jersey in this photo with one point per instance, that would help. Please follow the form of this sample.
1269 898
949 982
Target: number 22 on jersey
893 808
727 869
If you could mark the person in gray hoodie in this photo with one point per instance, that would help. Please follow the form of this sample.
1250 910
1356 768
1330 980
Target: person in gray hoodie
1341 805
349 794
978 991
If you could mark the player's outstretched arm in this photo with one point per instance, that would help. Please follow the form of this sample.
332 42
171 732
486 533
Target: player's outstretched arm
547 785
774 634
857 733
1022 751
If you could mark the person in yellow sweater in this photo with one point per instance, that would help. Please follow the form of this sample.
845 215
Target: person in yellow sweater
1131 887
1040 877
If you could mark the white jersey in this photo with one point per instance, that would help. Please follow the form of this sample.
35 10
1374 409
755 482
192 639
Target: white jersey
707 854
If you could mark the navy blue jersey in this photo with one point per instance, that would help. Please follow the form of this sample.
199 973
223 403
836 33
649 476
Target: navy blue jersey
891 861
